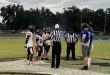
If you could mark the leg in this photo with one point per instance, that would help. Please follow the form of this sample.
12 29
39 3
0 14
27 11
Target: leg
28 56
28 53
58 56
85 58
40 53
73 51
53 56
89 56
48 47
32 53
36 48
44 51
68 51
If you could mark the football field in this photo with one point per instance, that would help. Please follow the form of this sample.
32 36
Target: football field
14 49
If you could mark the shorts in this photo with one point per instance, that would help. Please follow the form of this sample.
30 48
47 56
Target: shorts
30 50
89 51
85 51
46 47
40 50
36 48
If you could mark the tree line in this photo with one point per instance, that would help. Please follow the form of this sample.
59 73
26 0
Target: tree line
16 18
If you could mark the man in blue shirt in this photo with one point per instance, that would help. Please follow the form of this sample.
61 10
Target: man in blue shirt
85 42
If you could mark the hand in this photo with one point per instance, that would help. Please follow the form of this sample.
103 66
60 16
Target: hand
81 44
25 46
92 47
44 40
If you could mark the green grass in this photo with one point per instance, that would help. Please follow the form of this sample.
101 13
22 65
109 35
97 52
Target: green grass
14 48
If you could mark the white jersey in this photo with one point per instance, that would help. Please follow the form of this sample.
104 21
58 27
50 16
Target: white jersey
48 42
40 40
45 36
30 40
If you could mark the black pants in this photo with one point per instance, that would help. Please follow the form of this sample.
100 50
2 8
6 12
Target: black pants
70 46
56 51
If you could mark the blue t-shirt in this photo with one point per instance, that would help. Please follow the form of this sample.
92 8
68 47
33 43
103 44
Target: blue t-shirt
85 32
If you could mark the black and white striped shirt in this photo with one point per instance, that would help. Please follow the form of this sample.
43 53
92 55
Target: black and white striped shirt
56 35
71 37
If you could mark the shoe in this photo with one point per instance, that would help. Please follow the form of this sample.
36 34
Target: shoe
52 68
84 68
41 62
44 61
37 62
47 59
57 67
28 62
74 59
31 63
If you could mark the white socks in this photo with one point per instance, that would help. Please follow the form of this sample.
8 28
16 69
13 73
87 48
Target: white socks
89 62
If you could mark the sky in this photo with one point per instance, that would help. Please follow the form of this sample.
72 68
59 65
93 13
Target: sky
58 5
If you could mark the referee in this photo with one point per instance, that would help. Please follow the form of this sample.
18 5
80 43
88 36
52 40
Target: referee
56 48
71 39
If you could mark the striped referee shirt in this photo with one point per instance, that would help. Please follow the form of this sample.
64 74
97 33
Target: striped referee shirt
71 37
56 35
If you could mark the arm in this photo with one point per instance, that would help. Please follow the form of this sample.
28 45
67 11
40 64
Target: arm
83 38
66 38
49 37
26 41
